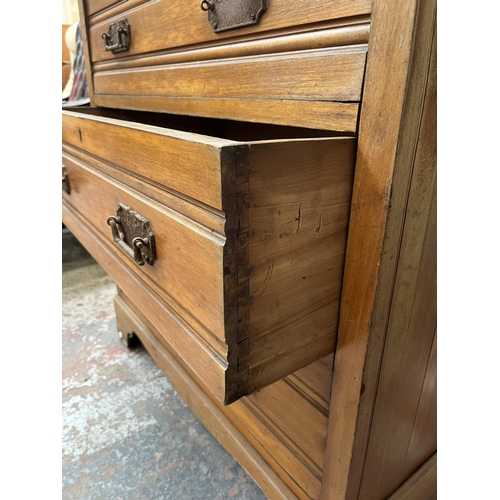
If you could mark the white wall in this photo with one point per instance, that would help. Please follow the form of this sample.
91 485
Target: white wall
69 11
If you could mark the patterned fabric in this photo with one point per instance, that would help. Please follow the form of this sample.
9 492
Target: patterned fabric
80 91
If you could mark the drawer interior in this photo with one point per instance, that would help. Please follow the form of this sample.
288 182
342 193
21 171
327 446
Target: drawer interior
233 130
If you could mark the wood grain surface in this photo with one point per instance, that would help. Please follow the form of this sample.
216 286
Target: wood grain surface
182 22
337 116
400 42
210 414
396 448
102 9
285 470
315 65
315 382
183 249
296 247
209 367
239 80
337 36
326 74
420 486
255 279
94 6
185 162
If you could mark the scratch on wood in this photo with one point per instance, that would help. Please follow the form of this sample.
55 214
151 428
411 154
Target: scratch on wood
316 231
275 104
401 43
297 219
266 279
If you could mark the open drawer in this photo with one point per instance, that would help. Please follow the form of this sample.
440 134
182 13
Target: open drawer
244 278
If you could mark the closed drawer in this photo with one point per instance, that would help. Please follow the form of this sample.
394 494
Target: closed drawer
157 26
302 65
249 234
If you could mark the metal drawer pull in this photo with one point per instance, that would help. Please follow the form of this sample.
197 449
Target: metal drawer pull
137 243
65 181
132 233
224 15
117 39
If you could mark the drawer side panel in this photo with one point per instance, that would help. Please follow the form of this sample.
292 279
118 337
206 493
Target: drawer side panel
296 246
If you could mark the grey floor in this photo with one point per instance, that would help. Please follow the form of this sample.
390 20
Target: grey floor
126 432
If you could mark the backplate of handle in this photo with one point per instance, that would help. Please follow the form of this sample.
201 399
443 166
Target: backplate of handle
224 15
132 233
65 181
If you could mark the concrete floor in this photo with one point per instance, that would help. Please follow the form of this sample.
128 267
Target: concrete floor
126 433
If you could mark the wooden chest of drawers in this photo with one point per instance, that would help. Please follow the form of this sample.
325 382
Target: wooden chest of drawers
285 168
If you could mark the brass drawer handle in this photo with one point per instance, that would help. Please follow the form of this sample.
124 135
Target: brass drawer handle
132 233
65 181
117 39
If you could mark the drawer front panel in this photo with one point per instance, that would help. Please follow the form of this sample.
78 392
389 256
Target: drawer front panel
312 88
94 6
161 25
187 163
197 355
188 269
104 9
323 75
